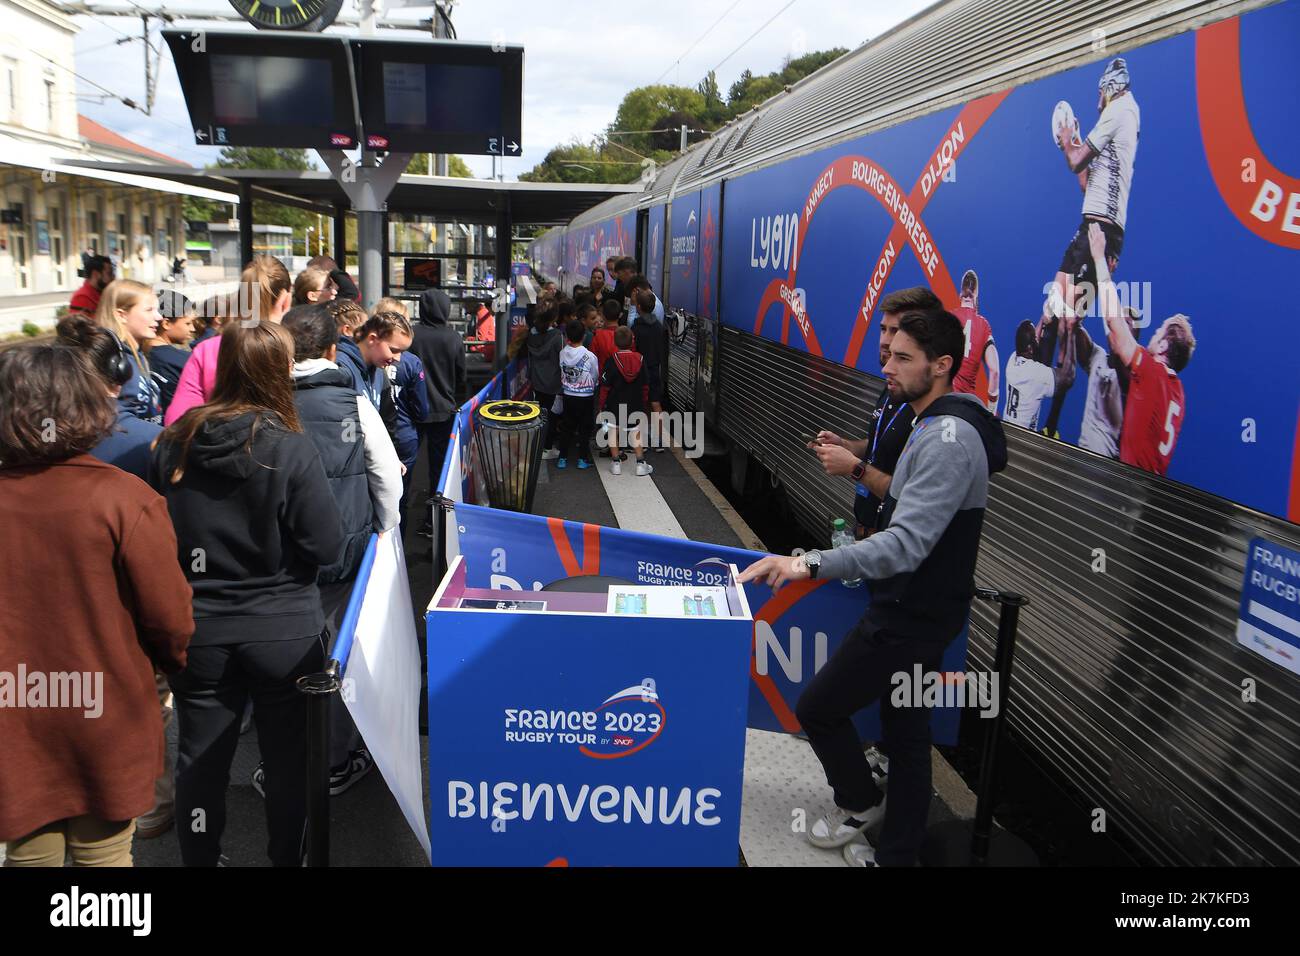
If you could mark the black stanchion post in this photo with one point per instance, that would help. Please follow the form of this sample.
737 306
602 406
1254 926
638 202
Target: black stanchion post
973 843
439 537
319 690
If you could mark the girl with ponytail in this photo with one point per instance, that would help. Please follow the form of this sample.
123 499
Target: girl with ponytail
375 344
265 293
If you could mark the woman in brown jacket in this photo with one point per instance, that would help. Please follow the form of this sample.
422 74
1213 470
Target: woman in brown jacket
93 597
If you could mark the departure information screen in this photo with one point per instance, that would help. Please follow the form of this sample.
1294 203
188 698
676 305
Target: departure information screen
440 97
253 89
269 89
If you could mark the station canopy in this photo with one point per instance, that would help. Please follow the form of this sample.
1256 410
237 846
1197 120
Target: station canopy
438 197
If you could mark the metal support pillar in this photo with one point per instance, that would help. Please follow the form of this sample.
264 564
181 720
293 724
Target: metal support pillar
367 186
501 302
245 223
341 236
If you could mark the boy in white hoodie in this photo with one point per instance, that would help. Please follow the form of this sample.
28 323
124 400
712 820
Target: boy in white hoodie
578 374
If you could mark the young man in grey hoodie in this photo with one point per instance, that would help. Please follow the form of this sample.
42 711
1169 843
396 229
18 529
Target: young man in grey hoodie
921 568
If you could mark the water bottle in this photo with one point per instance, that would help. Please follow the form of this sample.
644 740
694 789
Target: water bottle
842 537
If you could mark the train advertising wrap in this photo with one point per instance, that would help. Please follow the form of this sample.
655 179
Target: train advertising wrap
710 230
796 628
683 253
1172 167
589 246
545 253
654 251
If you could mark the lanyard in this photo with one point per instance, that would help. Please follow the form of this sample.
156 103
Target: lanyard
875 439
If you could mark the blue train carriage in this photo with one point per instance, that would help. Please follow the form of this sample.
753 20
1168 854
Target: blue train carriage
1150 512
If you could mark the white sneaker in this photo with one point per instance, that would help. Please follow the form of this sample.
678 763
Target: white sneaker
616 468
644 468
550 453
835 829
860 853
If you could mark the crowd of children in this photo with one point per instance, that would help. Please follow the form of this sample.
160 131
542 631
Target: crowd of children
598 357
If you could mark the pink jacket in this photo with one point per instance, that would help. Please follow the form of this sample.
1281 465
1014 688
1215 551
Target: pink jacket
197 380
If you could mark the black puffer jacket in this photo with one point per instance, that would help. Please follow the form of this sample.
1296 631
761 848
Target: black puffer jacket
327 408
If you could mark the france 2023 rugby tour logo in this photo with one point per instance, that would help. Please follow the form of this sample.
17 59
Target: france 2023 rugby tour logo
622 724
630 720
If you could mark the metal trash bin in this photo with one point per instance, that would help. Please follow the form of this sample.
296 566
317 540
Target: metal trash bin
508 444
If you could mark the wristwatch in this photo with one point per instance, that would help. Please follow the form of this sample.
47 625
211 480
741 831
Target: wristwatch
858 471
813 561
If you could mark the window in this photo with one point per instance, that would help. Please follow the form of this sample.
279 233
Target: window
55 214
11 87
18 233
92 230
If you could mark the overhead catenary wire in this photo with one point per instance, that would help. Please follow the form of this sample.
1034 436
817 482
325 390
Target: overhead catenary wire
765 25
698 39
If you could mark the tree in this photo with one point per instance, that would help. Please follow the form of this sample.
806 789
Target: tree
668 131
644 107
579 162
662 110
419 166
715 108
265 157
794 70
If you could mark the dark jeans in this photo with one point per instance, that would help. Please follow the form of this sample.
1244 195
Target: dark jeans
546 400
854 678
436 436
210 696
575 425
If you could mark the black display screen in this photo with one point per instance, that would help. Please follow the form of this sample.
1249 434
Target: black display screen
251 89
265 89
258 89
437 96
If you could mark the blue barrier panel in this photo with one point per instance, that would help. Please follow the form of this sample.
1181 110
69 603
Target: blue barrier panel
348 628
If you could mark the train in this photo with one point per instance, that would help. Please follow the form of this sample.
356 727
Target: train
1146 681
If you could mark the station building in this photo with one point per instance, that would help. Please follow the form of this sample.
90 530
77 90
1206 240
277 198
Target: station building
51 211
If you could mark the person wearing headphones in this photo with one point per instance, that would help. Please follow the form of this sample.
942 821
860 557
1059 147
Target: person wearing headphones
130 442
129 310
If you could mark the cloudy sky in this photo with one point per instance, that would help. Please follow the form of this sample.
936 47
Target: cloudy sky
579 60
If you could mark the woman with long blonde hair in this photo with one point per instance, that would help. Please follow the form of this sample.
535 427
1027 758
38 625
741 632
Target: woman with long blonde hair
245 489
129 310
265 293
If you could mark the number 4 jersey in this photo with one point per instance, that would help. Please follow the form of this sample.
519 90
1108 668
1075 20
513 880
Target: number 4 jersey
1153 414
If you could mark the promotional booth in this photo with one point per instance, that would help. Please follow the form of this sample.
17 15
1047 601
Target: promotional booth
594 727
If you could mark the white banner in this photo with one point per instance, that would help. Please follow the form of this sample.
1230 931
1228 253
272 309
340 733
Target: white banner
382 681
